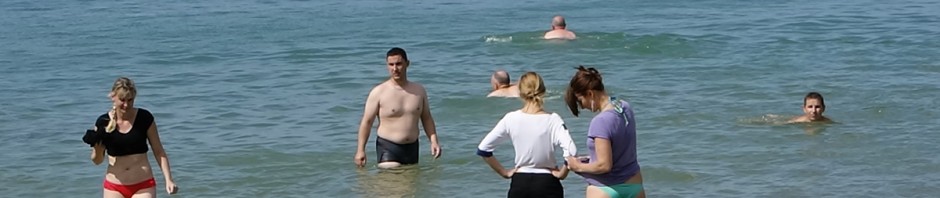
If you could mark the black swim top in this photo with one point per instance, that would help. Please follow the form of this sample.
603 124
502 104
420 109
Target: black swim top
132 142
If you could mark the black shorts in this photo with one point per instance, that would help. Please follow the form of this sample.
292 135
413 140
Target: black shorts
388 151
535 185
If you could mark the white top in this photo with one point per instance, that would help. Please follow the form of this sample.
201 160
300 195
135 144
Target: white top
534 137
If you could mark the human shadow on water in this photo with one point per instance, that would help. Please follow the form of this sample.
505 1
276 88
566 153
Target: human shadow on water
395 182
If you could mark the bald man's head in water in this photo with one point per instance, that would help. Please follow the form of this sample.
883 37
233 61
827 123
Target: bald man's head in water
559 29
501 85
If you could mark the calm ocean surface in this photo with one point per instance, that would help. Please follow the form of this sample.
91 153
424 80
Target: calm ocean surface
263 98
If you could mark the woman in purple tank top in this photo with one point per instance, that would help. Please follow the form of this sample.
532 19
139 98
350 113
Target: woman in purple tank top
612 170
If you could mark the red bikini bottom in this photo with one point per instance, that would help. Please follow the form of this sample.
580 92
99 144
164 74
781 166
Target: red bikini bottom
129 190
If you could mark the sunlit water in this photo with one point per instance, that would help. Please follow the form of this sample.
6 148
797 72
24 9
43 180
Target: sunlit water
263 98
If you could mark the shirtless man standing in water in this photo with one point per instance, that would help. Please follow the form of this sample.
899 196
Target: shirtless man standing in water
399 104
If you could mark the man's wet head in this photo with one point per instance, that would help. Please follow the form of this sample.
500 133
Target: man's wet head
500 79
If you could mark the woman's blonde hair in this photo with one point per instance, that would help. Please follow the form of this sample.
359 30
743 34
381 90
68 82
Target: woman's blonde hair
125 90
531 88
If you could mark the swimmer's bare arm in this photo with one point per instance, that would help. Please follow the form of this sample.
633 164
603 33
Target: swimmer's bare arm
428 122
369 113
796 119
160 155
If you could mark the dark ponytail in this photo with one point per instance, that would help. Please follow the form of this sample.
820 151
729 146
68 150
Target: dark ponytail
584 80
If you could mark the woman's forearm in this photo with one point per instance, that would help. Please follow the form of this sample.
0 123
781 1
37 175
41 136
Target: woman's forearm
164 162
97 154
494 164
165 167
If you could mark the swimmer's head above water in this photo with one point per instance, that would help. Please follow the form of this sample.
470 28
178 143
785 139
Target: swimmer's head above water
813 108
559 29
558 22
501 87
500 79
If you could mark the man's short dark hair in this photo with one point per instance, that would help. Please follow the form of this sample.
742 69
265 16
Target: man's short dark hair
395 51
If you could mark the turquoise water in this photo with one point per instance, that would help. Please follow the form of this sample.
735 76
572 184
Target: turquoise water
263 98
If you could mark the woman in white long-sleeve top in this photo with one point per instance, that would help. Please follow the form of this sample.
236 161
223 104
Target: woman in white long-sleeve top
534 134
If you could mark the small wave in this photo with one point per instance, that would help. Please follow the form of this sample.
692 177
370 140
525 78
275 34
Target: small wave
553 94
672 45
516 37
769 119
497 39
669 174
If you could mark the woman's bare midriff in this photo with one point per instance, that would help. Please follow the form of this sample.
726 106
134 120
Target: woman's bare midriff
128 169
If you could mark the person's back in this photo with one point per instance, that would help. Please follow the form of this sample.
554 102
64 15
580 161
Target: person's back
559 30
511 91
534 134
561 34
533 138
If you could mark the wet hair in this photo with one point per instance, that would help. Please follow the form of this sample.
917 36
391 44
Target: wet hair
395 51
586 79
125 90
502 77
532 88
814 95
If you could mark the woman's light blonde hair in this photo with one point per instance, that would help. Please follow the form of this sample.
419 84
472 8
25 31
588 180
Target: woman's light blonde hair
125 90
531 88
